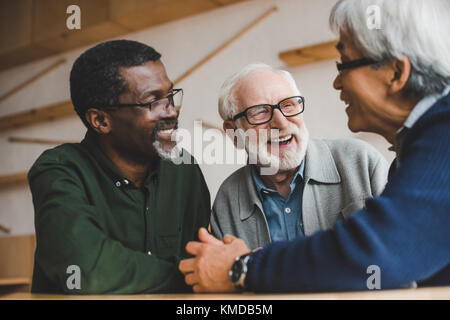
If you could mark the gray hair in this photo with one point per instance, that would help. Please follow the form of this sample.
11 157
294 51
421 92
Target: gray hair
227 101
417 29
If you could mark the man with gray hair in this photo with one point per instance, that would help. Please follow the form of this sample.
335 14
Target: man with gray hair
396 83
313 182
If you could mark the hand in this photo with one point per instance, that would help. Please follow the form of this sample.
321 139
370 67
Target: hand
208 270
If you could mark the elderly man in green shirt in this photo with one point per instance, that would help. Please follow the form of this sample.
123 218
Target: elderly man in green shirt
114 213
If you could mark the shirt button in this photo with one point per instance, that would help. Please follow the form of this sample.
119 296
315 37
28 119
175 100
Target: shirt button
125 181
287 210
118 184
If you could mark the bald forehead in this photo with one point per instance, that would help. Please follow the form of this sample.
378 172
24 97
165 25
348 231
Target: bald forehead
261 87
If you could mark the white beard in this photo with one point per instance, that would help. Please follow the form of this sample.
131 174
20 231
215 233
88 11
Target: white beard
285 160
174 154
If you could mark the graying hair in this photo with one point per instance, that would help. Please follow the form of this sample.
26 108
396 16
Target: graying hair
227 101
417 29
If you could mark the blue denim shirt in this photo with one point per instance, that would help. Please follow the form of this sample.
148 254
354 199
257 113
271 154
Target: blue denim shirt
284 216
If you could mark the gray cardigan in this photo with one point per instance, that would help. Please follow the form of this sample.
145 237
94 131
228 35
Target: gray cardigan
339 176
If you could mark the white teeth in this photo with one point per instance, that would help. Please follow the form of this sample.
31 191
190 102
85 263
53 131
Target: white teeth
167 131
281 140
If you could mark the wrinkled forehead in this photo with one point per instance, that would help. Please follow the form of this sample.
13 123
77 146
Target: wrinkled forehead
261 87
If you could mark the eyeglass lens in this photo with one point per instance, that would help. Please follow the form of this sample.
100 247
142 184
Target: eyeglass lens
263 113
175 99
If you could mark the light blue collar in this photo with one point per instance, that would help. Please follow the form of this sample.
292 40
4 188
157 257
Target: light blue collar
262 189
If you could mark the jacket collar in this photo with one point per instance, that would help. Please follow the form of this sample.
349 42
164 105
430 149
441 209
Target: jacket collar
248 195
319 163
319 166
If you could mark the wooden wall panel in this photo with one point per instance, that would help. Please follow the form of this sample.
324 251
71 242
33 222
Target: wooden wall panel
89 35
139 14
21 55
16 263
37 115
14 179
309 54
33 29
15 24
17 256
50 16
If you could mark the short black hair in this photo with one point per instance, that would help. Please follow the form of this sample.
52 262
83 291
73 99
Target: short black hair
95 80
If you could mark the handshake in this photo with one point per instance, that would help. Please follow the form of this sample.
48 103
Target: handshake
208 270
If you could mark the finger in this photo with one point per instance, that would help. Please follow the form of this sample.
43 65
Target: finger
191 279
206 237
194 247
228 238
197 288
187 265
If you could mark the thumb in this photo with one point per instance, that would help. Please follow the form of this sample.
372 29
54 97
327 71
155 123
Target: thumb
205 237
228 238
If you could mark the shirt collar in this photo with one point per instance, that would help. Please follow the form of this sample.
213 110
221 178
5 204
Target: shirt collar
423 106
417 112
262 189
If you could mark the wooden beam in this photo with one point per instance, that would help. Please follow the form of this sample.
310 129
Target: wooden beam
13 179
310 54
15 281
37 115
5 228
225 44
32 79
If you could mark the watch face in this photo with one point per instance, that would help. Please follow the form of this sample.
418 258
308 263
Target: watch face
236 271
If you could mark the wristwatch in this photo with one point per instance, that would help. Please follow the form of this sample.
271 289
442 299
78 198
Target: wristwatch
238 271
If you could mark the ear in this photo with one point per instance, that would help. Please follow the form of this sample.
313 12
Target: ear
230 125
401 72
99 120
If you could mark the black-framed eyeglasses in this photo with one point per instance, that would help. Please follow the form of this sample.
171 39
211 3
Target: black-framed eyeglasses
174 98
355 64
263 113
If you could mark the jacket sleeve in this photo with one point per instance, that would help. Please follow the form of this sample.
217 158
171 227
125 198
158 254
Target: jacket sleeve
404 231
216 230
69 231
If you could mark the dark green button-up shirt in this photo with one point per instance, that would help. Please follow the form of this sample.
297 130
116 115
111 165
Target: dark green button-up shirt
123 238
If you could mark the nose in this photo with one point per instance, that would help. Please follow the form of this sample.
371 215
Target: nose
172 111
169 112
278 120
337 82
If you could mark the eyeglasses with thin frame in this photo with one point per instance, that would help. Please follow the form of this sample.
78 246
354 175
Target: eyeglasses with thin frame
263 113
355 64
174 98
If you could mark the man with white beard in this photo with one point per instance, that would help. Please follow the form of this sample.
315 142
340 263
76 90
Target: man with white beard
113 213
315 182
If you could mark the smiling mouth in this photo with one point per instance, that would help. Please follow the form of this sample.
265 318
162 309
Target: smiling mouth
166 134
281 141
166 131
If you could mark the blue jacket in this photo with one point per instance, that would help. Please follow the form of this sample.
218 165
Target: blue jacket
405 231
